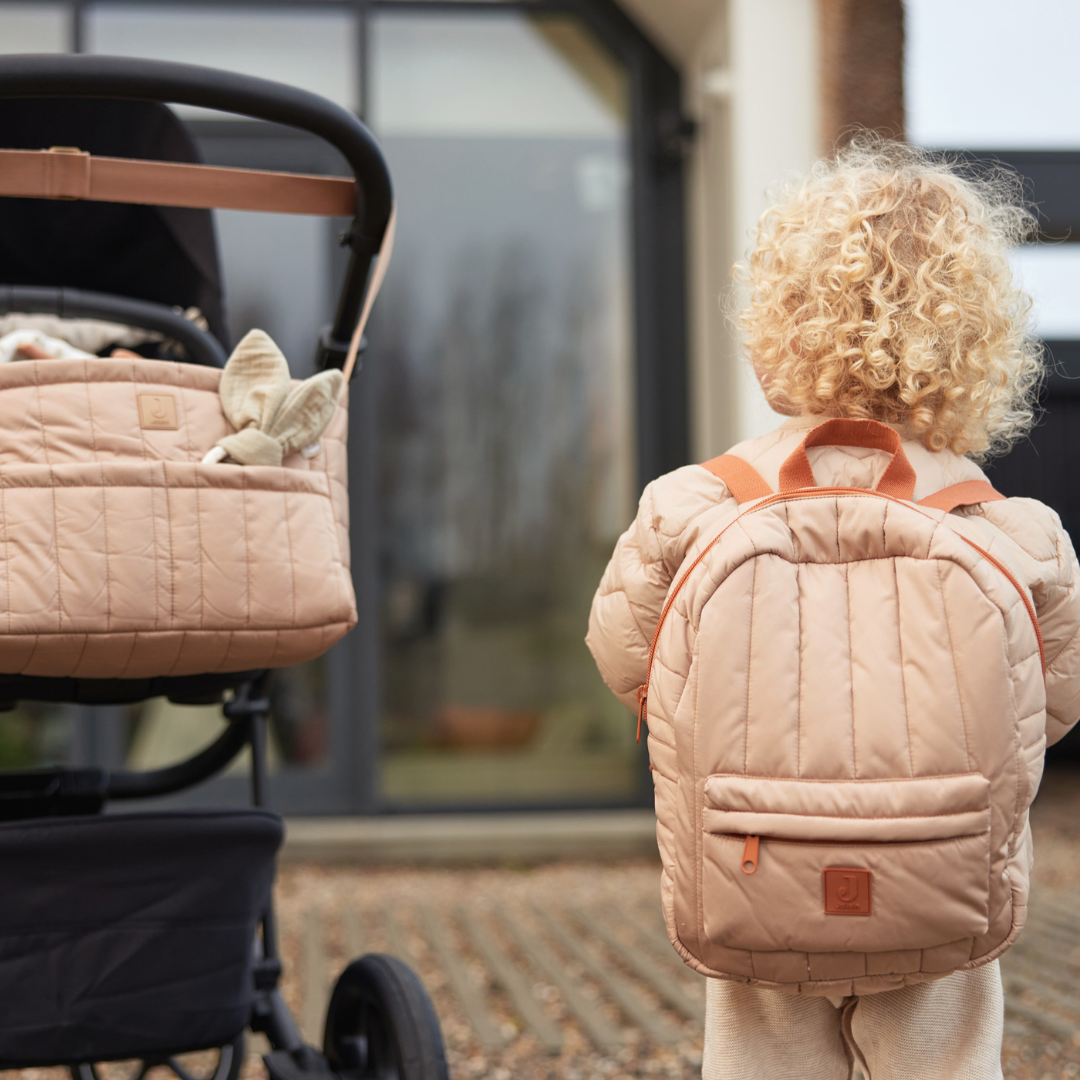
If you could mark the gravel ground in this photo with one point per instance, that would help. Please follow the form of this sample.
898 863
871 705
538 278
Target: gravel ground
329 914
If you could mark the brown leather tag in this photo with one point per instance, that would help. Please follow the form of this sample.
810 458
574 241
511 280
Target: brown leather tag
847 891
158 412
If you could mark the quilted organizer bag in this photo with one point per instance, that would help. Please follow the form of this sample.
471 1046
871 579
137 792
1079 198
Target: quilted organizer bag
123 554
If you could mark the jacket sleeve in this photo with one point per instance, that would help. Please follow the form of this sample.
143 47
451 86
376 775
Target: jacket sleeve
1059 623
628 603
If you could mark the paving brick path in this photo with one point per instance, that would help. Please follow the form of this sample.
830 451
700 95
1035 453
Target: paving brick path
563 972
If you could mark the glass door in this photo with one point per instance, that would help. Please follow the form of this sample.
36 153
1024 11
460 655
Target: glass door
502 368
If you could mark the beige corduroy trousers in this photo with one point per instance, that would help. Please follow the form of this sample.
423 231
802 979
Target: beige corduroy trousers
949 1029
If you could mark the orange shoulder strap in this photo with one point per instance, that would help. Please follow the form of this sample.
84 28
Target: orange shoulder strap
967 493
742 479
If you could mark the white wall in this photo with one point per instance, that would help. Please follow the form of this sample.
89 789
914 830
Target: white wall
752 84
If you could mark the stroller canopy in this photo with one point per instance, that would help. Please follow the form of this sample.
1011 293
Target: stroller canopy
162 254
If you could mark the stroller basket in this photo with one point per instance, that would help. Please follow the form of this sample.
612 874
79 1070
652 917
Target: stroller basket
130 935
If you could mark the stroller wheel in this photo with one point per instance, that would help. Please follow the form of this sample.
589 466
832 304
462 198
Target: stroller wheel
224 1063
381 1023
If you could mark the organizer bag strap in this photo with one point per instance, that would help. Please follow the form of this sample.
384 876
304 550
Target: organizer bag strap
742 479
382 263
967 493
69 173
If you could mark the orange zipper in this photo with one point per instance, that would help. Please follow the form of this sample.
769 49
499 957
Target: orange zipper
750 854
812 493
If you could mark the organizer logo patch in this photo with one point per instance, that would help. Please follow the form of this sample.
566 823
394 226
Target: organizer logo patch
157 412
847 891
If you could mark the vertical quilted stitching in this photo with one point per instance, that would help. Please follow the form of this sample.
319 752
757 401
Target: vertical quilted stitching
903 673
41 416
198 527
198 513
340 574
292 560
179 652
851 668
90 410
56 553
7 555
56 523
698 807
172 557
131 652
105 534
33 653
247 549
82 653
955 666
749 671
799 696
154 542
225 653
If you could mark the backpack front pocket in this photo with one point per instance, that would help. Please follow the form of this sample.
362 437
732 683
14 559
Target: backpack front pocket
845 865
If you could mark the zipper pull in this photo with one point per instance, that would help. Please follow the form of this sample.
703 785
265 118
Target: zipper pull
750 855
643 709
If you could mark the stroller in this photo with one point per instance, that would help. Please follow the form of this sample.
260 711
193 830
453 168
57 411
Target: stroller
151 935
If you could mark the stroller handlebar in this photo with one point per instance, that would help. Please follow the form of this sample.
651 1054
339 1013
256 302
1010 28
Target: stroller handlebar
47 75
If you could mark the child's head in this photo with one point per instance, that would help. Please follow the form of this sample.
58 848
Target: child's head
881 289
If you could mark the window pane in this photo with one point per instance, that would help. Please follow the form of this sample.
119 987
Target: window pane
984 74
314 47
482 75
1051 275
501 362
34 28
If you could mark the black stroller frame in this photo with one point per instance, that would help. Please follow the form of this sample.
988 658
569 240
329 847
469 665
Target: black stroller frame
380 1021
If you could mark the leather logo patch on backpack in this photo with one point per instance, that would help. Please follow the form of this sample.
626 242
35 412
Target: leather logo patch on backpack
847 891
158 412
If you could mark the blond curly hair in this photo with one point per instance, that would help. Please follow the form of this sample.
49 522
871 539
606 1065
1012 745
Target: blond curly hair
880 288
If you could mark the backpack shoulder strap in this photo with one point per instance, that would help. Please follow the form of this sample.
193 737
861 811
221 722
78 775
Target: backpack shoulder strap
742 479
967 493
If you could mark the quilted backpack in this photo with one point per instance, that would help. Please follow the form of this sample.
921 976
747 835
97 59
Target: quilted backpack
842 681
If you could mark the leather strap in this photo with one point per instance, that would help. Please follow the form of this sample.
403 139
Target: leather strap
63 173
898 480
967 493
382 263
742 479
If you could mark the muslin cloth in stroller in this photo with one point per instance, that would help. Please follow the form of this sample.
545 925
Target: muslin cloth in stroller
271 416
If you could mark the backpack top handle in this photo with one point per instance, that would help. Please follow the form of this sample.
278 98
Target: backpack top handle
898 480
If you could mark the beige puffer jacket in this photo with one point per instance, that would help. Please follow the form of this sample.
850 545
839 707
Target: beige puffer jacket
679 515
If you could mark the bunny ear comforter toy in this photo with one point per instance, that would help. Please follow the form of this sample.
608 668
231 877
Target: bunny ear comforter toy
272 417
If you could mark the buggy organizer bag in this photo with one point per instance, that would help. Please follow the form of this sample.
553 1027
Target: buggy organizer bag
147 950
122 556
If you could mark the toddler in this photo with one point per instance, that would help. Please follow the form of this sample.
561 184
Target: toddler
880 289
